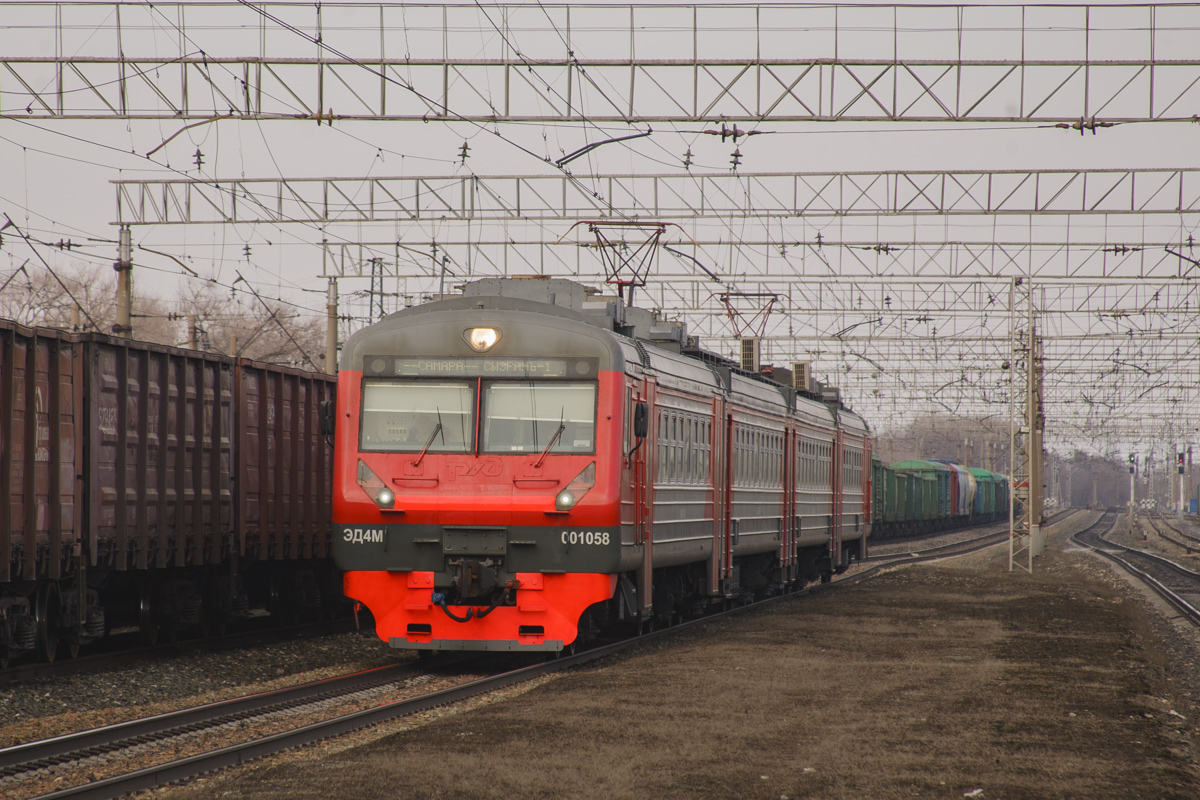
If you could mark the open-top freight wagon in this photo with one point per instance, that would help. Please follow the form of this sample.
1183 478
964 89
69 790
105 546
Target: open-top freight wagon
921 496
154 487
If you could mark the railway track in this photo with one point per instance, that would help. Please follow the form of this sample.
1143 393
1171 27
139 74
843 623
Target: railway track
1186 540
87 758
104 762
122 657
1177 585
993 534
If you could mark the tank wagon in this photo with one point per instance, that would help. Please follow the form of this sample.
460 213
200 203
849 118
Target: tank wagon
154 487
918 496
518 467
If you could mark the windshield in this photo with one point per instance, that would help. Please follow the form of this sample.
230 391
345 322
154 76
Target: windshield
400 416
525 417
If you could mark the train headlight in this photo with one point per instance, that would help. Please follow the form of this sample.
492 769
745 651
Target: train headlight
576 489
375 488
482 339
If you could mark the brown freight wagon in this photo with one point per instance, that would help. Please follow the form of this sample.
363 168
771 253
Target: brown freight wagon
153 487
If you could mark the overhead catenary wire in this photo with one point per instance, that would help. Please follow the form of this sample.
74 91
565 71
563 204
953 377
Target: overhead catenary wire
912 328
10 224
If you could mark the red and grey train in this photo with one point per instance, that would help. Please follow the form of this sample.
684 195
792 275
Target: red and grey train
518 467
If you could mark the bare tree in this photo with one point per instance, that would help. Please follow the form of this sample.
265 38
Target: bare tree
79 297
971 442
245 325
239 323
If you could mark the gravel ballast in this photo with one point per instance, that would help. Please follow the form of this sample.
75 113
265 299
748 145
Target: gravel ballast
45 708
948 680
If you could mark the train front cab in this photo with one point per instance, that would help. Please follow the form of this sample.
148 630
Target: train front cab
477 493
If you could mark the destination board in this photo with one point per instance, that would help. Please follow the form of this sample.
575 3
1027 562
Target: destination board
486 367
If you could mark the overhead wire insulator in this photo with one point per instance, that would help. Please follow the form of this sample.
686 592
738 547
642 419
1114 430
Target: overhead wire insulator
736 160
463 153
1085 125
198 158
733 133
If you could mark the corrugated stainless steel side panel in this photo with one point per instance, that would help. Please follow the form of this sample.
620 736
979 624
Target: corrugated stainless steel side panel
160 454
39 446
285 465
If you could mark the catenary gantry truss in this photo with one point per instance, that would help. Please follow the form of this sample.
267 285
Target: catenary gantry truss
679 196
875 307
747 64
894 284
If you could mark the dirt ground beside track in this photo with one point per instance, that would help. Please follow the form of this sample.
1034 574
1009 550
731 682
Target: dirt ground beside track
950 680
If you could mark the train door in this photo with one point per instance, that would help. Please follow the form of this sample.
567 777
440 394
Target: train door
868 497
716 481
728 524
641 467
787 553
835 537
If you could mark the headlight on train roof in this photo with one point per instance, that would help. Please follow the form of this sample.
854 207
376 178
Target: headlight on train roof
482 339
576 489
375 488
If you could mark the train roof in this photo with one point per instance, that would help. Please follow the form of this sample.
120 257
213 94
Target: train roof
637 340
917 465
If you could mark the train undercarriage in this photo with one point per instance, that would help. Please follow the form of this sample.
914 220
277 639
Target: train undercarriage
682 592
50 619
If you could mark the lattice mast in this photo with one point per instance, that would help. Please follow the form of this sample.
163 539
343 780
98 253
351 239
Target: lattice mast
1026 424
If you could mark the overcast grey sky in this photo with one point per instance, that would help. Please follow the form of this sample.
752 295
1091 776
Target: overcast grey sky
55 175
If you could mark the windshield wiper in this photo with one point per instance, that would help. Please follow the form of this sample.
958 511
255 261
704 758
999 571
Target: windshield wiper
562 426
436 430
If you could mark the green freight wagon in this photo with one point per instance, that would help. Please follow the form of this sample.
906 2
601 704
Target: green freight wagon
985 497
937 506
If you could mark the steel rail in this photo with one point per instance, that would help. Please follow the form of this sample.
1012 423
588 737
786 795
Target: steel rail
1189 611
1161 561
1168 537
1185 535
1054 519
234 755
21 673
75 746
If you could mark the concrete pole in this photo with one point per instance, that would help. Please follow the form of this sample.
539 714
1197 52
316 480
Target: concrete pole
331 331
1132 490
191 331
124 269
1188 485
1182 487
